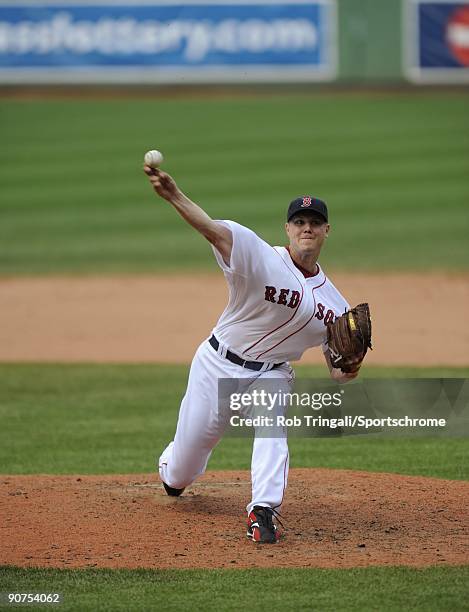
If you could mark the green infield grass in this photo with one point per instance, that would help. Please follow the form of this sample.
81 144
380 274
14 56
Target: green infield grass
92 419
393 168
375 588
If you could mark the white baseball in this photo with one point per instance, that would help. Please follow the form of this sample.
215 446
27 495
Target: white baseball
153 159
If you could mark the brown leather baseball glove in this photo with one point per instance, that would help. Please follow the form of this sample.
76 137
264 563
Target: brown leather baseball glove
349 338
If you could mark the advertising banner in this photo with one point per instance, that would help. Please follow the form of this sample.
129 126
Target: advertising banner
167 41
436 39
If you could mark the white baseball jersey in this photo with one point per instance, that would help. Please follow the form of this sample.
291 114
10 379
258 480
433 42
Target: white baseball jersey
274 313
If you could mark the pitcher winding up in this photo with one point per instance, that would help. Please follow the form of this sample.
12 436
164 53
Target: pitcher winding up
280 304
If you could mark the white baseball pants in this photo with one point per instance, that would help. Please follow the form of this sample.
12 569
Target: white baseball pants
200 427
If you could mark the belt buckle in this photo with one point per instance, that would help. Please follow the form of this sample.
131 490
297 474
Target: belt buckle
243 365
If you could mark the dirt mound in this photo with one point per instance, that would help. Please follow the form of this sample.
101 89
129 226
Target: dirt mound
333 518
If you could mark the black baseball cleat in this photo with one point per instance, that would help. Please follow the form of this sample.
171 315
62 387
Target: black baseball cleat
261 527
172 492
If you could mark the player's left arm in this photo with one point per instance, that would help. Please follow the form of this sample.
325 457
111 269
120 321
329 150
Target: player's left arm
337 375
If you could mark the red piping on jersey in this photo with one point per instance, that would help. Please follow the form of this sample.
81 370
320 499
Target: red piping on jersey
290 319
306 273
298 330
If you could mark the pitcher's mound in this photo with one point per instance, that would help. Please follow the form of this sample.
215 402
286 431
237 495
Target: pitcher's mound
333 518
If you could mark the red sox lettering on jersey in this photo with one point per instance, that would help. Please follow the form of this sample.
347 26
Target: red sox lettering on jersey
280 296
291 298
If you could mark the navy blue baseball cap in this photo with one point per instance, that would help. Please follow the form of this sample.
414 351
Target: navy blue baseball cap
305 204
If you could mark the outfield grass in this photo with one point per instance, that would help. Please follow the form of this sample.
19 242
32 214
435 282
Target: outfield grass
91 419
393 169
431 589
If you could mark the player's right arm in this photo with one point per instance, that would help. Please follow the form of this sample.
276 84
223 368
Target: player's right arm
216 233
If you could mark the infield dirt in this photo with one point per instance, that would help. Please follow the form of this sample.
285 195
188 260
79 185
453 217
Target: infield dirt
333 518
164 318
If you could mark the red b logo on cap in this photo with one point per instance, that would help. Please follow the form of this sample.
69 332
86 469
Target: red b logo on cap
306 202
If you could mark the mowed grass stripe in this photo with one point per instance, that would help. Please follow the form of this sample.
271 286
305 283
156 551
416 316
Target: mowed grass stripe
375 588
376 158
92 419
423 152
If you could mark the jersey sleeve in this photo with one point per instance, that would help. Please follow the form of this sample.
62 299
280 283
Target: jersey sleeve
246 250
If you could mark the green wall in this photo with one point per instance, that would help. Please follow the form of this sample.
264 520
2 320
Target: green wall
369 40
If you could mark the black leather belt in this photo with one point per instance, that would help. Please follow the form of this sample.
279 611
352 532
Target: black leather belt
250 365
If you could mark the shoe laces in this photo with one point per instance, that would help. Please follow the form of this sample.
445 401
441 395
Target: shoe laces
265 515
278 517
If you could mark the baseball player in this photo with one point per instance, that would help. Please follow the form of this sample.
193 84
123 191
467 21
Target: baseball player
280 301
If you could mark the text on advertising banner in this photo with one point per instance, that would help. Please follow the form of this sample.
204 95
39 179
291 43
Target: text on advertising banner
167 41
